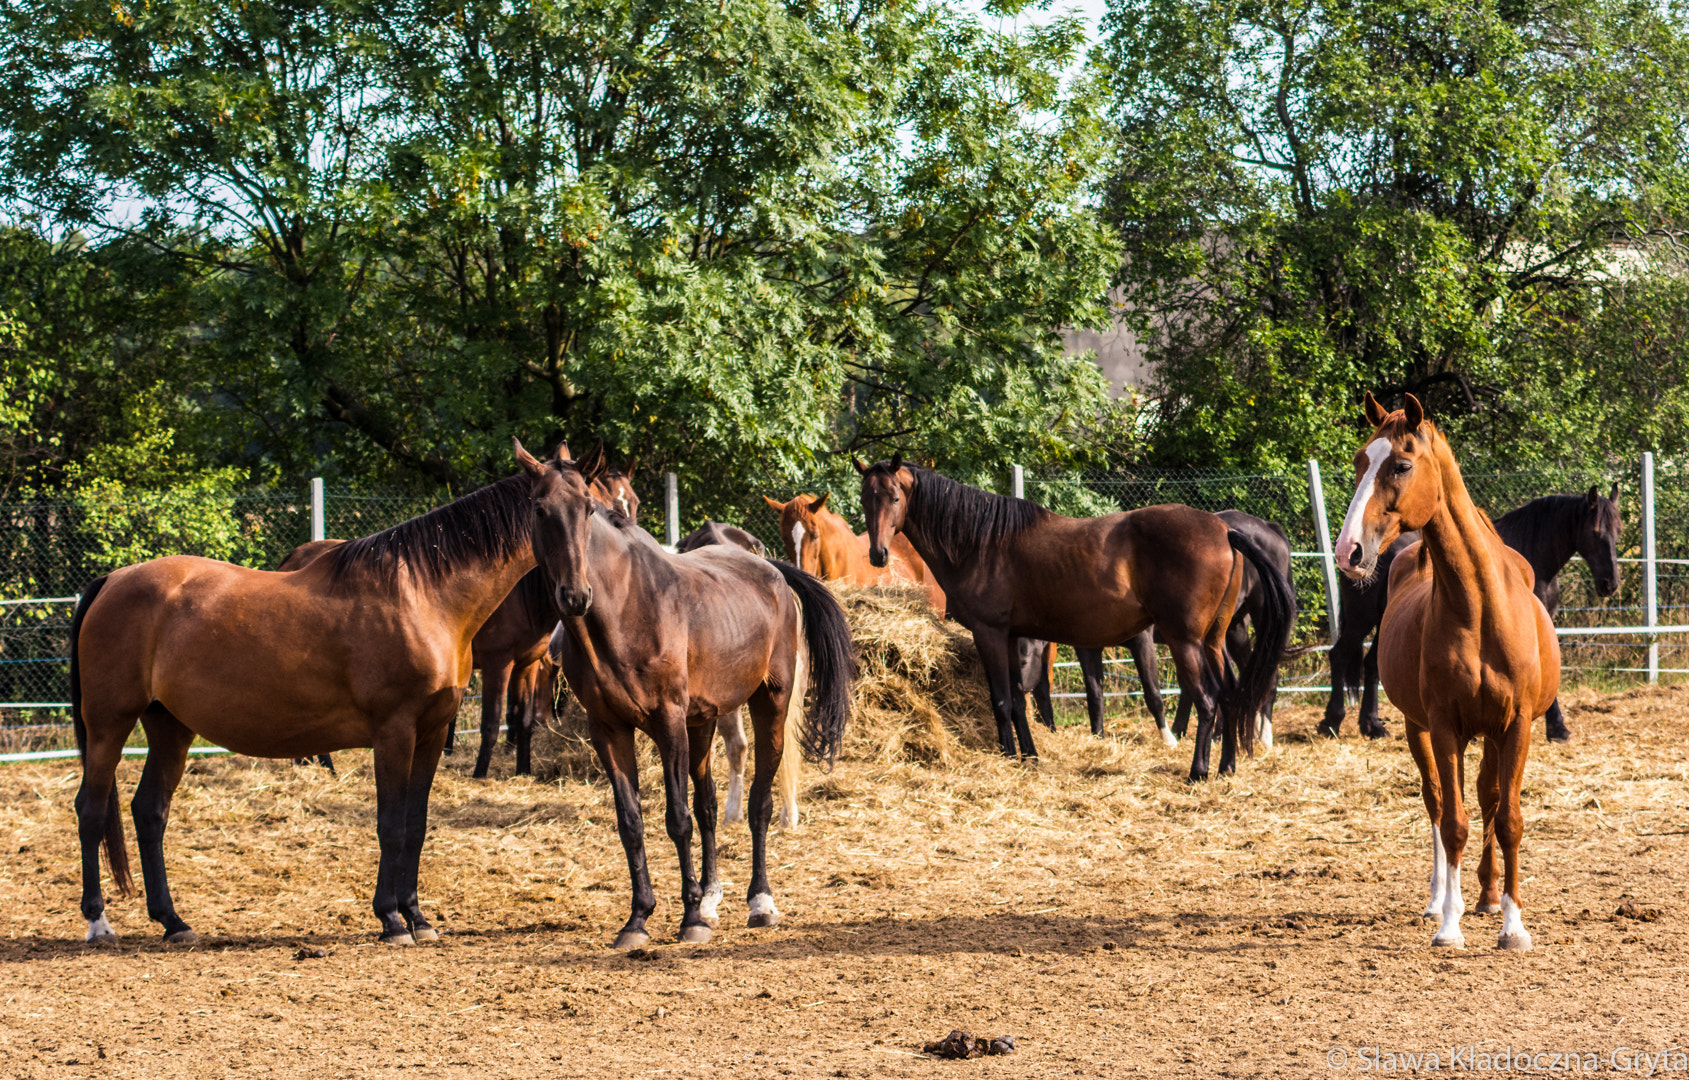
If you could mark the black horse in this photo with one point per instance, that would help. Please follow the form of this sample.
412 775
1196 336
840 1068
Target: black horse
1546 531
1274 543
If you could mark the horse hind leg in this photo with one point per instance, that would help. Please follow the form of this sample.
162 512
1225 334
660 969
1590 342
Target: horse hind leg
1509 830
99 822
495 681
1196 684
701 740
1489 799
733 736
766 708
167 756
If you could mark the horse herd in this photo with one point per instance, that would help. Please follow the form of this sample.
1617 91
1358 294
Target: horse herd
370 643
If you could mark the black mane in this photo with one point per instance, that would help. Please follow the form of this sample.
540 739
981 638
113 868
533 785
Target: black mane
495 522
958 520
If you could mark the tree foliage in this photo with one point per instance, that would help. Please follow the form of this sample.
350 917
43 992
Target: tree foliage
1482 203
740 240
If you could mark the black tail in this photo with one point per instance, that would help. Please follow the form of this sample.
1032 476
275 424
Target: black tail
1247 695
117 852
832 665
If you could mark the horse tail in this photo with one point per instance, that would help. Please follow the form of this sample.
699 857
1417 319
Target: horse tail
1246 696
832 665
117 851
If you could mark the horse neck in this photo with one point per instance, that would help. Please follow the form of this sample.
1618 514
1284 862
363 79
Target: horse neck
1548 549
943 571
838 547
613 571
469 596
1457 538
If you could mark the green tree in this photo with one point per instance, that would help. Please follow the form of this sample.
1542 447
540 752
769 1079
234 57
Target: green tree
1319 197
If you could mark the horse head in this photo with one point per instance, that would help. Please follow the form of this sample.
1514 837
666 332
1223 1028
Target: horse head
1598 539
1398 485
561 490
886 486
800 530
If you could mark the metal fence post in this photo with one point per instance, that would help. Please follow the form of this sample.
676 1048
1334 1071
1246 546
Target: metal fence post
319 527
1017 482
671 509
1650 579
1322 529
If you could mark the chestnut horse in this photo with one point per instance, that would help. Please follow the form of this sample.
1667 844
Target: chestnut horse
821 543
669 644
1012 569
367 646
1465 650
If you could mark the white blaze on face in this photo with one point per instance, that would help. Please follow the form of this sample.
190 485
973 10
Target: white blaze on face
797 544
1377 452
622 498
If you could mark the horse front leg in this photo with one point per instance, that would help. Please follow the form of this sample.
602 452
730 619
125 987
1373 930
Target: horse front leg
1446 747
998 655
1091 670
1430 791
614 744
1370 725
167 756
425 761
495 681
1339 659
701 741
732 727
1555 720
1510 830
395 750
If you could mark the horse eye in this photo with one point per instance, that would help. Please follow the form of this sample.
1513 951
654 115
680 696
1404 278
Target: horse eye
1403 466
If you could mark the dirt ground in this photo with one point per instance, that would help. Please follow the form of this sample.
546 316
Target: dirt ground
1111 918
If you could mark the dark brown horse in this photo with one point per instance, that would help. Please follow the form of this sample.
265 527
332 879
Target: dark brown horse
1466 651
518 683
367 646
667 646
1012 569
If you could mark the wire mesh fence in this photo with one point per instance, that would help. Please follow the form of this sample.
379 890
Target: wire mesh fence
49 551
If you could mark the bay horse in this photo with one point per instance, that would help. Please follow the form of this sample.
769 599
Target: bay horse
1466 650
1546 531
732 724
821 543
668 645
1012 569
367 646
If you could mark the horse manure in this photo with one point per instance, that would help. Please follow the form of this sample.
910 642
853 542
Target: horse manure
962 1044
310 952
641 954
1110 946
1628 910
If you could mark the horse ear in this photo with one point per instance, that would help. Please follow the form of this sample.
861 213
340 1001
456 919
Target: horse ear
529 463
819 503
1614 497
1375 413
629 466
860 468
897 461
563 452
775 505
592 464
1592 496
1415 411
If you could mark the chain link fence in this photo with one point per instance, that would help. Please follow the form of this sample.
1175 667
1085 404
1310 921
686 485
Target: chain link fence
49 551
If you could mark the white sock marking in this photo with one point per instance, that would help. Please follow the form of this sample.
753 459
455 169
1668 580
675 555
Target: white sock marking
1439 874
1453 908
1168 737
99 928
711 902
1512 922
763 904
1264 731
734 811
1348 536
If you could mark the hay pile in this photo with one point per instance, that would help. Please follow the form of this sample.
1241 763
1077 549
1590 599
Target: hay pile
921 696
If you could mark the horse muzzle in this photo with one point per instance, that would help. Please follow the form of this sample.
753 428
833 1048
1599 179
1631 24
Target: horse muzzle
574 602
879 556
1359 561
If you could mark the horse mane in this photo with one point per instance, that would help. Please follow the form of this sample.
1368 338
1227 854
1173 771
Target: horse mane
958 519
495 522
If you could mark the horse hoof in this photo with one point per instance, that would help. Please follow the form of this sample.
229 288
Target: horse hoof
762 919
631 939
1452 941
696 934
1168 739
183 936
399 937
425 933
101 940
1379 732
1328 730
1485 908
1519 942
1560 736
